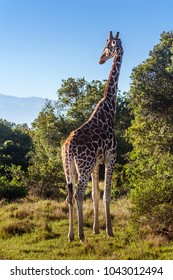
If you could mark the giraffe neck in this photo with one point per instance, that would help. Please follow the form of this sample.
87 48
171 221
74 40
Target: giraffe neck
112 83
105 110
110 93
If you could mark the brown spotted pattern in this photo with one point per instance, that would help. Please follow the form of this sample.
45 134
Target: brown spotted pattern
89 146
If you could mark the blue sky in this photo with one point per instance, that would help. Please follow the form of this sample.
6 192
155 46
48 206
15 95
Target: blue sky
45 41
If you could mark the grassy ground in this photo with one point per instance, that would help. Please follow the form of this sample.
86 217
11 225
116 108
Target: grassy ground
37 229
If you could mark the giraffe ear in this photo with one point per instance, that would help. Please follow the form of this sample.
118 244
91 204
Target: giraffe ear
110 35
117 35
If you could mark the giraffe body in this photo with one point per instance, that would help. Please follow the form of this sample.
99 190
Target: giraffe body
86 148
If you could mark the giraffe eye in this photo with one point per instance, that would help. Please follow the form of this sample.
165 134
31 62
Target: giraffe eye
113 43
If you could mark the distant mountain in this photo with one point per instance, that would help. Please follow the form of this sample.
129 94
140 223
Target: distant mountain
19 109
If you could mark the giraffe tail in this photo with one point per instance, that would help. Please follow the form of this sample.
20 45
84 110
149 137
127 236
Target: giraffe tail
69 170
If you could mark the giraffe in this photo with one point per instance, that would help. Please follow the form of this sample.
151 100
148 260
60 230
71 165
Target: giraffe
92 144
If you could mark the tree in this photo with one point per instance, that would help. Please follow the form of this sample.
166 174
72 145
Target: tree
77 99
15 146
45 173
151 134
152 80
123 120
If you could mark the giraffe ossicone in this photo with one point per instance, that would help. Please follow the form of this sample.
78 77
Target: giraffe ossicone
92 144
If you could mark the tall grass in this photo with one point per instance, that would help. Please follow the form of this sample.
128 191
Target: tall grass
37 229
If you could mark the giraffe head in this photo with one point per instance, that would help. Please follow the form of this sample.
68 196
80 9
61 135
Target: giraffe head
113 47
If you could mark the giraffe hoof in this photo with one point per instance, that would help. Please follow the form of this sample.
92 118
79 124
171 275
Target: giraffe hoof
96 231
110 234
70 240
70 237
82 238
82 241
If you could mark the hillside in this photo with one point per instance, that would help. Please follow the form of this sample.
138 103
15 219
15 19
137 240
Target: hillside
19 109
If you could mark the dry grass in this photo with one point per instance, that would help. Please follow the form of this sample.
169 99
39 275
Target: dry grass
156 240
26 217
37 229
14 227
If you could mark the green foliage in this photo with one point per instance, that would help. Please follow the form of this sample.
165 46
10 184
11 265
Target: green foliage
46 176
152 85
123 120
77 99
12 184
149 172
15 146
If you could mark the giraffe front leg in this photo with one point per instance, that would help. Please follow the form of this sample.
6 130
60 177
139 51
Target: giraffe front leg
95 197
79 203
108 216
107 194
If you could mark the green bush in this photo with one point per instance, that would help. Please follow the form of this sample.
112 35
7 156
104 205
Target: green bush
152 196
150 169
12 184
10 191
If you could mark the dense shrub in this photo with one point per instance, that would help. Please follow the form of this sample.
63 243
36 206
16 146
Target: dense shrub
12 184
150 169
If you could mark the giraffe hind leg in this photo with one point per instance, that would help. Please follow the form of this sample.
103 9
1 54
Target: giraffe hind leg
70 205
109 167
71 174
